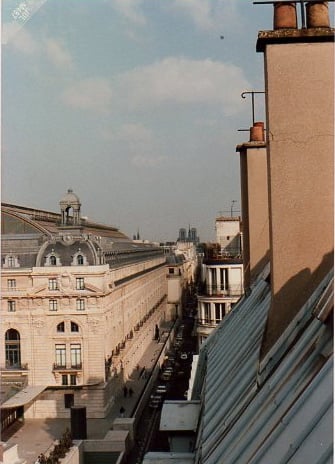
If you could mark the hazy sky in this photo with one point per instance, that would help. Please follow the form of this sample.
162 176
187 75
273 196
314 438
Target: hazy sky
134 104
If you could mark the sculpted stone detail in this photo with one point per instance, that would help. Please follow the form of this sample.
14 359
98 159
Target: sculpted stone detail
66 282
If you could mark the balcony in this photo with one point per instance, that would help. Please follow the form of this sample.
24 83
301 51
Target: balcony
217 291
14 367
65 368
208 323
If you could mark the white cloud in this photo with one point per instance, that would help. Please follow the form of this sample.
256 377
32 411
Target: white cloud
19 38
184 81
206 15
200 11
90 94
131 10
57 54
139 142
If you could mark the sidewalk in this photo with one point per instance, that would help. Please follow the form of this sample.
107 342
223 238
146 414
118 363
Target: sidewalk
36 436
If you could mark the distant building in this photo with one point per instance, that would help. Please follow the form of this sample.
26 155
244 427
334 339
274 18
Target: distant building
190 236
182 235
228 235
221 277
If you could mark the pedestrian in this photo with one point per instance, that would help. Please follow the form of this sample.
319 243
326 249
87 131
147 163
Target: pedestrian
122 411
130 391
125 391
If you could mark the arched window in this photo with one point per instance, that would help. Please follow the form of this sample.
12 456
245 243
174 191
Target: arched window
61 327
74 327
12 348
79 259
52 259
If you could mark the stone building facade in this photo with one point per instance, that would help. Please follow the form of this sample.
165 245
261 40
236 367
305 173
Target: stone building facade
221 276
80 302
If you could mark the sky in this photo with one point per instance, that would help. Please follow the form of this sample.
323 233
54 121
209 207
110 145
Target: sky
133 104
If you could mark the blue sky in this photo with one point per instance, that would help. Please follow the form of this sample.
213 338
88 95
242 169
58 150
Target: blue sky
134 104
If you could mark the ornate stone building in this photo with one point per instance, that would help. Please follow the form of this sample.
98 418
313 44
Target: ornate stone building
80 302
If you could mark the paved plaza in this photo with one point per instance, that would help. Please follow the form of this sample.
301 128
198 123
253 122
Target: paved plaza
36 436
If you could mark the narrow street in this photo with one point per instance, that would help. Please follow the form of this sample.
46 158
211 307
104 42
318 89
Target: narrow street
174 378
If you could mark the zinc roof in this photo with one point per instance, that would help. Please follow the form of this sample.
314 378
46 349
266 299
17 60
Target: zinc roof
280 413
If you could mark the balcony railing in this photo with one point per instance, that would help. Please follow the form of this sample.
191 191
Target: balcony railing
14 367
62 367
216 290
208 323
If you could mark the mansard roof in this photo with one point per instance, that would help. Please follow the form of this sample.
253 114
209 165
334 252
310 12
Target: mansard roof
32 236
49 222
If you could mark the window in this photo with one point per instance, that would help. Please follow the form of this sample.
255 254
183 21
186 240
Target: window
11 306
53 305
60 355
11 283
13 349
53 284
171 270
52 259
65 379
75 355
68 400
73 379
80 305
80 283
79 259
11 261
219 312
61 327
74 327
224 278
207 312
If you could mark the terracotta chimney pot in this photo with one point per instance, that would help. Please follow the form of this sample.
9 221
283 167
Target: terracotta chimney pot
317 14
284 16
257 132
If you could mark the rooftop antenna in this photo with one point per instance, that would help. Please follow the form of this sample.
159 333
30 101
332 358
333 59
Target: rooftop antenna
232 206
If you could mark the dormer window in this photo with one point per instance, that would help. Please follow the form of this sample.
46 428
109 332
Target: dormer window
79 259
11 261
52 259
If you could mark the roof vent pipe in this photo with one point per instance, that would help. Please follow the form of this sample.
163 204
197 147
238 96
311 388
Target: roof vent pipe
317 14
285 16
257 132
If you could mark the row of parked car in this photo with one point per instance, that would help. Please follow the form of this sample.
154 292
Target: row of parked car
171 368
157 398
